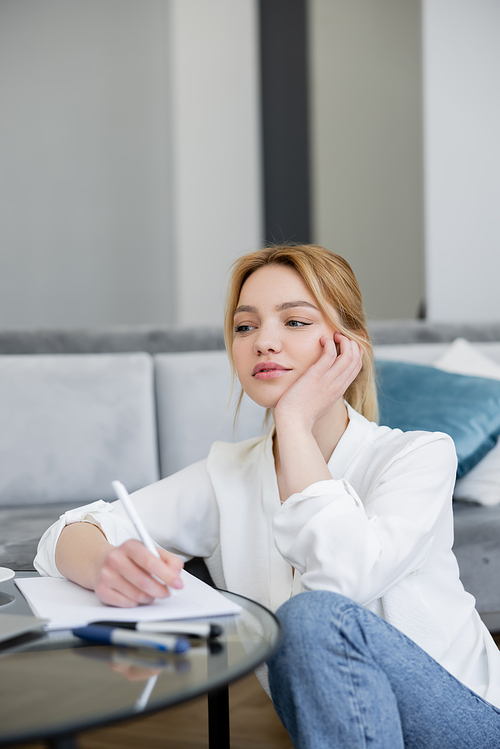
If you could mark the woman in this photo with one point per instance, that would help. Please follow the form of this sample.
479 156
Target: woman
383 648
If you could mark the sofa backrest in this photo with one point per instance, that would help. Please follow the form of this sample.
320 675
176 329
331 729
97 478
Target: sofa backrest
111 339
156 339
428 353
425 331
195 407
71 424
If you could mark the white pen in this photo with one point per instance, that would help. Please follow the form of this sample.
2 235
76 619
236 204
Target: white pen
146 539
190 628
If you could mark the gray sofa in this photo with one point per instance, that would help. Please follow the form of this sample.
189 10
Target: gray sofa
83 407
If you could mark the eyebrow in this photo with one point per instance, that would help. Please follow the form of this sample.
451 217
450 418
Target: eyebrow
290 305
279 307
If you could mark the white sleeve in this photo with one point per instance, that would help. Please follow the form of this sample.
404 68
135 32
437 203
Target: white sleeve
326 533
180 512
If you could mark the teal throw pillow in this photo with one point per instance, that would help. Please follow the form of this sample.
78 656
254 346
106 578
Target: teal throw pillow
415 397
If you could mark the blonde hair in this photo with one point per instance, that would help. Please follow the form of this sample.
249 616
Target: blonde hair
332 283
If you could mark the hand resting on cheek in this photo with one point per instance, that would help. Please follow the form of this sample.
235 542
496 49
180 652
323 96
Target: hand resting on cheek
313 395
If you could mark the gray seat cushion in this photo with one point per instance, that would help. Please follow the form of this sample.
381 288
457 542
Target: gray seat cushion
477 544
477 547
73 423
21 529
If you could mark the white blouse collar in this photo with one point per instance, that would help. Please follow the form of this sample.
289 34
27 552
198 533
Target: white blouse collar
349 444
348 447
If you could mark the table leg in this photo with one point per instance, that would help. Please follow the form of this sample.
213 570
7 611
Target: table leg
218 719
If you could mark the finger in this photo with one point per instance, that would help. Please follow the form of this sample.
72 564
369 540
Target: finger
134 673
173 561
347 365
350 372
349 350
357 355
139 584
111 596
328 356
126 576
123 577
175 564
350 358
345 343
125 569
330 361
167 568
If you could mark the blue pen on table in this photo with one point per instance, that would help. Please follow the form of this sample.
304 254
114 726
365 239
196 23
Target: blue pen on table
146 539
117 636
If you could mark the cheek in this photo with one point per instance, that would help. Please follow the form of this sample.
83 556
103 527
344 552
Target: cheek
239 359
310 350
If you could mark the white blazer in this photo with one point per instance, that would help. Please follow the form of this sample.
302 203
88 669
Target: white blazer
379 532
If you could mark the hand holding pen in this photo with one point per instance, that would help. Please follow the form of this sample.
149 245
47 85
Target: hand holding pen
131 574
134 518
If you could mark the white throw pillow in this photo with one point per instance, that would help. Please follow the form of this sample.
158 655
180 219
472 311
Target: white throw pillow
482 483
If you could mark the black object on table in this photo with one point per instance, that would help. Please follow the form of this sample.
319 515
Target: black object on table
54 686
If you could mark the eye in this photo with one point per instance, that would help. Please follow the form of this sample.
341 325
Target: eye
243 328
297 323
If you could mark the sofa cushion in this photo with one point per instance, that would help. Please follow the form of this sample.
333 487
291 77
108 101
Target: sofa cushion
415 397
433 353
477 548
109 339
427 331
482 483
21 528
193 391
416 353
73 423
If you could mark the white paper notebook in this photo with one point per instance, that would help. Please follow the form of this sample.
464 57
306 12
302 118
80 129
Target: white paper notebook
67 605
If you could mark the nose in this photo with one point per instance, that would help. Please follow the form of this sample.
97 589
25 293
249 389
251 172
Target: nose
267 341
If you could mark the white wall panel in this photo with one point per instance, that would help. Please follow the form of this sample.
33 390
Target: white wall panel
216 147
462 158
129 158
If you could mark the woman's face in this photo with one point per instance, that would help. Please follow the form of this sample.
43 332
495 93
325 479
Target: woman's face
278 327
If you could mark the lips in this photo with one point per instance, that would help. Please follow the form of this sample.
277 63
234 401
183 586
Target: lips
268 369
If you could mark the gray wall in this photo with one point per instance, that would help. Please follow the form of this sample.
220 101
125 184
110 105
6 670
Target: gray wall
129 158
367 145
84 191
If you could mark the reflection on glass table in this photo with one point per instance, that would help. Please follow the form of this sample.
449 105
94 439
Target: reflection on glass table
56 685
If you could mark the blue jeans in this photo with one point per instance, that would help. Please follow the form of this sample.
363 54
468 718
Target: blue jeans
343 678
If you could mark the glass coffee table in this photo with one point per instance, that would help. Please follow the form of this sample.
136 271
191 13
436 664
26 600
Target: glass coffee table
54 686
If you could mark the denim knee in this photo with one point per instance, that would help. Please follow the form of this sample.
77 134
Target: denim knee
312 608
312 637
310 620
